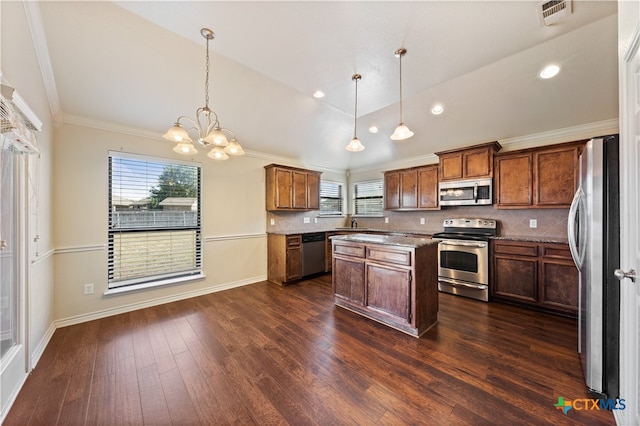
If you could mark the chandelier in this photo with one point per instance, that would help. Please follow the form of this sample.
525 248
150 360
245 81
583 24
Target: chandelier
402 132
206 127
355 144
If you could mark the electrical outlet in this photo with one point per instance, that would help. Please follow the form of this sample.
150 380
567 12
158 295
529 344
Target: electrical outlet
272 222
307 220
315 220
422 221
386 220
533 223
88 288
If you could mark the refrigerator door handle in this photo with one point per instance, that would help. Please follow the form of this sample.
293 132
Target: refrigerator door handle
576 247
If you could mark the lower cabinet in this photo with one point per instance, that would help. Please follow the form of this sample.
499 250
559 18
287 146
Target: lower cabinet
394 285
284 258
540 275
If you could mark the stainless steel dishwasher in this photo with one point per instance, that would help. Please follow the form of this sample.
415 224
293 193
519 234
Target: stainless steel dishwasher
313 252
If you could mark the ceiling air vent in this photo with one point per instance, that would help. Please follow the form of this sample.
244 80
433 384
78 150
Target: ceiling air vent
552 11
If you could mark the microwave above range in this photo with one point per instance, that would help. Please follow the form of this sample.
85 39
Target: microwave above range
477 192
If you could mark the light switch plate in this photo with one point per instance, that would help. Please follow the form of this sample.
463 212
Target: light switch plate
272 222
307 220
533 223
422 221
386 220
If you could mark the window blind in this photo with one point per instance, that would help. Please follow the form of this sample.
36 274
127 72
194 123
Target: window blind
330 198
154 219
368 198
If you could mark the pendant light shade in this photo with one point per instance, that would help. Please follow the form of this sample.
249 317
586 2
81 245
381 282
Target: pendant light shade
355 145
402 132
205 127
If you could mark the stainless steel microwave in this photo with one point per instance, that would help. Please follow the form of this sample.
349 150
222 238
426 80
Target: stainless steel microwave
466 192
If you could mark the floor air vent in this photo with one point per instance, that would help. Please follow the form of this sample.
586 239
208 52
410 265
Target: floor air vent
550 12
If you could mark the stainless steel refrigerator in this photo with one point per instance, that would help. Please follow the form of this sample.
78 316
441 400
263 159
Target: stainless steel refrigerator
594 239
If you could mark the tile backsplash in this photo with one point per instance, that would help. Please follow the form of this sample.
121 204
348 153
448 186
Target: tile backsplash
550 222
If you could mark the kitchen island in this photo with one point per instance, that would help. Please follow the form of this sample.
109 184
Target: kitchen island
390 279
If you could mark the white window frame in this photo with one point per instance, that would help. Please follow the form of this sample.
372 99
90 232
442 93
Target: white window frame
353 205
341 190
117 286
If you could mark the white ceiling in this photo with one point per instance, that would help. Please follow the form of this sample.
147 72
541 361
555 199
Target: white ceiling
141 65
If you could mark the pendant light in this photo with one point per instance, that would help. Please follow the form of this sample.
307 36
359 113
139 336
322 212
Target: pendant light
205 127
355 145
402 132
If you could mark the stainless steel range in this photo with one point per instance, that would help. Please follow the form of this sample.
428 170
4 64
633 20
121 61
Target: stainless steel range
463 257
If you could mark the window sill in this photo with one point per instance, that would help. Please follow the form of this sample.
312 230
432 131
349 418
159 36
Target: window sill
152 285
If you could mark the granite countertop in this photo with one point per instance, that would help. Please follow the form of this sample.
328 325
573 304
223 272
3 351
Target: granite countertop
354 230
388 240
534 239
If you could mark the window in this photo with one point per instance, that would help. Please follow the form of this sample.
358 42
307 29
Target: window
368 198
154 220
330 198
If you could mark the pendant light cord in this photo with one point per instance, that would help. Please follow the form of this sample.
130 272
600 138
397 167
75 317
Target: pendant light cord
206 80
401 88
355 113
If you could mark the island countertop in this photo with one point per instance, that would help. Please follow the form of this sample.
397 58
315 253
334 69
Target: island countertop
389 240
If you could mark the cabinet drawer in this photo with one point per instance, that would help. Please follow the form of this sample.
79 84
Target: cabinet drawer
559 251
294 241
354 250
522 249
385 255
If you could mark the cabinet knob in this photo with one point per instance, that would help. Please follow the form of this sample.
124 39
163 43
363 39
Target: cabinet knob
620 274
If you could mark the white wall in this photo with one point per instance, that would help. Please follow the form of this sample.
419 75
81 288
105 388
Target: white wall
233 222
20 69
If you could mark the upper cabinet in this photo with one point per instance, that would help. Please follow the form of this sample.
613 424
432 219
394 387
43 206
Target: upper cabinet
469 163
290 188
415 188
544 177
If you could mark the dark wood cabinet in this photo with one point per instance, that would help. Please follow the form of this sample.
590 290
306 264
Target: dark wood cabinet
415 188
537 178
289 188
473 162
391 284
540 275
284 258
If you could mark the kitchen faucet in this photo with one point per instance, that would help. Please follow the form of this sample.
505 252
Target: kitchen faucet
354 222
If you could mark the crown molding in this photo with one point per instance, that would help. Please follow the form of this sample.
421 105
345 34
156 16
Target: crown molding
568 134
36 28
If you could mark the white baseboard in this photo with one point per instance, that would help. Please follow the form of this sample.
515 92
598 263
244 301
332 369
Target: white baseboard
77 319
42 345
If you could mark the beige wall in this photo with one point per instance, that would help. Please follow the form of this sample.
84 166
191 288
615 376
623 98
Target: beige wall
233 222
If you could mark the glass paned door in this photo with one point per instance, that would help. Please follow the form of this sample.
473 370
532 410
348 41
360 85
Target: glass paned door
8 278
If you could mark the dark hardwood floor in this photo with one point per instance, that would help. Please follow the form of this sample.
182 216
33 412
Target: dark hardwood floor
264 354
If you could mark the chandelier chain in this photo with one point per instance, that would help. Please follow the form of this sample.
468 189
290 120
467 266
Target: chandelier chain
206 81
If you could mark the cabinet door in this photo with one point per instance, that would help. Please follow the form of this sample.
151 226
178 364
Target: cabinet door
514 180
515 278
313 191
299 190
428 187
556 176
283 189
559 285
392 190
409 189
478 163
294 257
348 279
389 291
451 166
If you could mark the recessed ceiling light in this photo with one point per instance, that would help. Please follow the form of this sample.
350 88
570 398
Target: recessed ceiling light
549 71
373 129
318 94
437 109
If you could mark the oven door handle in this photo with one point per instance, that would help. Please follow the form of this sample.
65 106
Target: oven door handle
461 284
464 244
